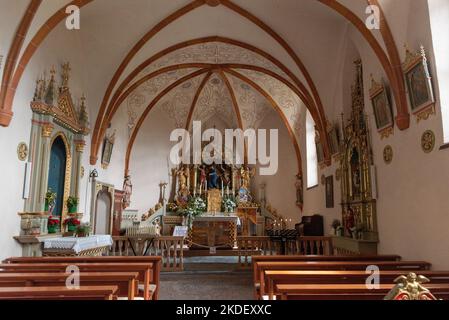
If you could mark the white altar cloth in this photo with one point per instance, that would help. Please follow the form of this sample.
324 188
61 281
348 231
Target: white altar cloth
78 244
218 217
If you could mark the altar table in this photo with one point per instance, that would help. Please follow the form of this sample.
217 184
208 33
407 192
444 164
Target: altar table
73 246
214 231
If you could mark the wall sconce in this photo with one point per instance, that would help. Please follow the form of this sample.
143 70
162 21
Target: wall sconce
93 174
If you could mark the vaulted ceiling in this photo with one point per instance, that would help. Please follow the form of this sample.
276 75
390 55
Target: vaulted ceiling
235 59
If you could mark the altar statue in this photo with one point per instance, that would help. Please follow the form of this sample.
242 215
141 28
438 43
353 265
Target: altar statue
245 173
225 176
349 221
182 178
213 178
203 178
128 191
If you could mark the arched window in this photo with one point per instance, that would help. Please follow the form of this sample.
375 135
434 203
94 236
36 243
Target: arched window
312 159
439 23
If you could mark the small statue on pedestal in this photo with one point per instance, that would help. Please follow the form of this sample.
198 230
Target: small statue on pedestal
128 191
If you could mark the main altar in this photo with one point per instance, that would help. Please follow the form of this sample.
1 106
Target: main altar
214 202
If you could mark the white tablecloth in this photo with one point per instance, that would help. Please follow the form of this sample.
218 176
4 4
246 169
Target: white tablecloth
78 244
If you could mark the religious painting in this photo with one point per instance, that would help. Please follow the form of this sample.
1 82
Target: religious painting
334 141
382 109
108 146
418 80
330 192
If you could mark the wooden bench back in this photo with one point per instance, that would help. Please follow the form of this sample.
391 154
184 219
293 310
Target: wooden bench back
275 277
347 291
59 293
144 269
127 282
154 260
256 259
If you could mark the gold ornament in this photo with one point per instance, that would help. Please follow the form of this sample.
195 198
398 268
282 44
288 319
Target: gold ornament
428 141
22 151
47 130
388 154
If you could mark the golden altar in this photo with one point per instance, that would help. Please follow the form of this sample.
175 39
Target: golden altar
214 231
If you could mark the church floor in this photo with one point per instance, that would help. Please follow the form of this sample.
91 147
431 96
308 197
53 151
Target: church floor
207 278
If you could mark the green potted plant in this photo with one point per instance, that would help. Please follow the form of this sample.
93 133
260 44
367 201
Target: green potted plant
72 204
83 230
53 224
50 200
72 223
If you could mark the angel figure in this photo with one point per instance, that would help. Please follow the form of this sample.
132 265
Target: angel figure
410 288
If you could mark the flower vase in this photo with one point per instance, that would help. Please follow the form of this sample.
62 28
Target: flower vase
71 228
52 229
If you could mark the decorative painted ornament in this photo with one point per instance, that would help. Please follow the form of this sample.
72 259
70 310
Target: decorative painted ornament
22 151
428 141
388 154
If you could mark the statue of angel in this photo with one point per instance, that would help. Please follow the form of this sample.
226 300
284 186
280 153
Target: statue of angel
410 288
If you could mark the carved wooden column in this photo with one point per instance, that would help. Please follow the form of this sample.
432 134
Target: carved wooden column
77 161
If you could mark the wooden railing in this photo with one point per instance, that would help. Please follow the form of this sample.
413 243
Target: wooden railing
169 248
250 246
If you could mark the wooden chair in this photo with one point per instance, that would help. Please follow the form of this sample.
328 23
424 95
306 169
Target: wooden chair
59 293
125 281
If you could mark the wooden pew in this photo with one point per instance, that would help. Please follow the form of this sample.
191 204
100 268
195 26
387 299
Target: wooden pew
260 267
125 281
144 270
347 291
273 278
156 262
59 293
256 259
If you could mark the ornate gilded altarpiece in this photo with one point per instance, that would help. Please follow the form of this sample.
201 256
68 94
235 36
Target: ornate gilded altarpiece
55 116
358 204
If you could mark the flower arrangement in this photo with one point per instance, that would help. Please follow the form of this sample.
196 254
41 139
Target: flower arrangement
172 207
72 204
229 204
50 200
195 207
338 228
72 223
83 230
53 224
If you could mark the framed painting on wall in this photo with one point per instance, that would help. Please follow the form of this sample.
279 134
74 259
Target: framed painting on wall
108 146
419 83
330 192
319 152
334 141
381 106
